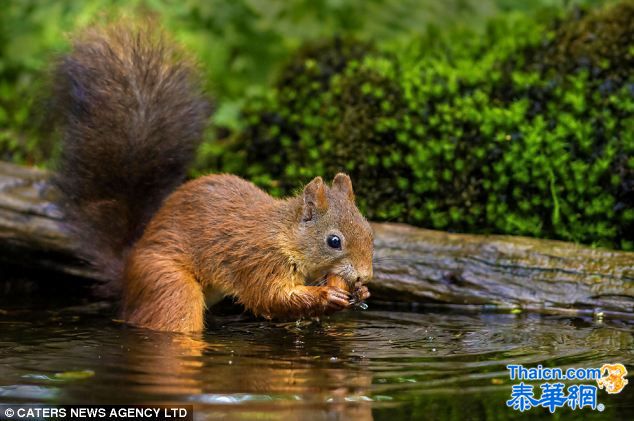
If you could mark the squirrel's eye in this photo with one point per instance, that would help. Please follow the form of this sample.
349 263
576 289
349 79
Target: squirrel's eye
334 241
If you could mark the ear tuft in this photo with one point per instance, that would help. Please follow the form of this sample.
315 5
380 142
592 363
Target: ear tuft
315 198
343 183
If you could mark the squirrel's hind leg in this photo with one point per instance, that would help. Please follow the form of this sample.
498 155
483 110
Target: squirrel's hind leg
162 295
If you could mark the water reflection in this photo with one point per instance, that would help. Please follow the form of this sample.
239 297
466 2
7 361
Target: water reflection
286 367
360 365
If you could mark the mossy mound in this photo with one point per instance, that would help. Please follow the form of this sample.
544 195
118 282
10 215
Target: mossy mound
526 129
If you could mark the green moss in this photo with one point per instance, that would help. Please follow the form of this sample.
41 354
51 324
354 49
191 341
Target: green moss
525 130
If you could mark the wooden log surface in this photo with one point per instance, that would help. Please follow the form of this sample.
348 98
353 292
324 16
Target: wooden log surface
411 264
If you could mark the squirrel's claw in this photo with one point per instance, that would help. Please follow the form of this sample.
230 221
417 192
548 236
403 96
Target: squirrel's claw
361 292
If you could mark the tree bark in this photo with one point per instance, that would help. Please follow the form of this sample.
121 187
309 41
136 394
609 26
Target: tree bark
411 264
416 265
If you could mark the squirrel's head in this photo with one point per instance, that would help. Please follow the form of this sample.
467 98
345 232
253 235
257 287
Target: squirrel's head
333 235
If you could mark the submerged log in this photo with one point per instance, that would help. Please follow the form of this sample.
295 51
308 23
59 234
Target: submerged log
411 264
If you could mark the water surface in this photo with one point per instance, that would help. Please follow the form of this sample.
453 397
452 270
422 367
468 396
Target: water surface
359 365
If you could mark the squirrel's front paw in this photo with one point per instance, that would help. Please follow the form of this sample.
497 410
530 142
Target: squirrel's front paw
336 299
361 292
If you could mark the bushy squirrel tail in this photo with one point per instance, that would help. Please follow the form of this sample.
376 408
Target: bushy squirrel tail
132 115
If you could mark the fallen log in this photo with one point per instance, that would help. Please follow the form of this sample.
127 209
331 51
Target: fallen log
29 223
511 272
411 264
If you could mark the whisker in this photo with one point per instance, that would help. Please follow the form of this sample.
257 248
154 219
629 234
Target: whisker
391 259
319 282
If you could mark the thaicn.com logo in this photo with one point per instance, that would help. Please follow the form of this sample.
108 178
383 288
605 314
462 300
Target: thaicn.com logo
555 394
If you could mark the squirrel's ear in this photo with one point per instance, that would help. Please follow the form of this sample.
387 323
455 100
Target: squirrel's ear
343 183
315 198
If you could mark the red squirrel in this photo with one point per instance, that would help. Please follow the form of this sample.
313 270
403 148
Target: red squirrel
132 115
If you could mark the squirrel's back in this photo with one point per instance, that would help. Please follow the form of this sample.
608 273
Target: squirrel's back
132 115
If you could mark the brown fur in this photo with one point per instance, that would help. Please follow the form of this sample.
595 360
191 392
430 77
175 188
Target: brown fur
222 233
133 117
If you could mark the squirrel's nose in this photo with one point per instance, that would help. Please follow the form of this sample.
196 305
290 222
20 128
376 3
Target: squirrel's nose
365 275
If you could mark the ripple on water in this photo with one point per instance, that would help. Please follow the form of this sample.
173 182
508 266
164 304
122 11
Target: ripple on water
354 362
